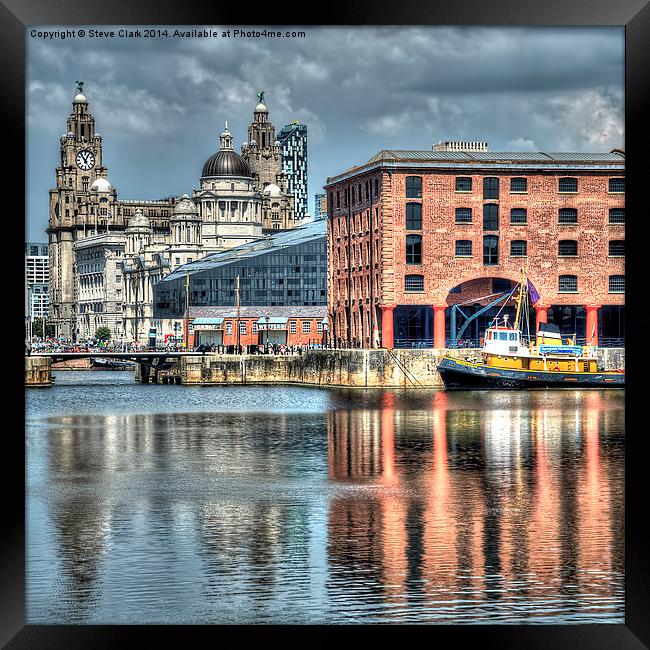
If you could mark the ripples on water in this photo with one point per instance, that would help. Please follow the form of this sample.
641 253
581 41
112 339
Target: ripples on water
174 504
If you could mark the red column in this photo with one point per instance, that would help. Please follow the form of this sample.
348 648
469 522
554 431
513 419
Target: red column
541 314
439 334
387 326
592 324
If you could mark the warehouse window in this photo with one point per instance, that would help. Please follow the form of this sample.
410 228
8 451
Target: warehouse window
518 216
414 283
464 184
518 184
617 215
463 215
617 248
616 284
518 248
414 216
490 188
490 216
242 327
568 215
306 327
463 248
228 327
413 187
568 184
490 250
292 327
567 248
414 249
617 185
568 284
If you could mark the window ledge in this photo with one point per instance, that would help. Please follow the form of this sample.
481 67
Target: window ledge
576 291
465 256
615 192
519 224
511 255
412 291
560 192
620 257
609 223
462 223
567 224
619 291
518 191
464 191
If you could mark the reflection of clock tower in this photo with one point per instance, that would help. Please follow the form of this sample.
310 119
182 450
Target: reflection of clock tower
81 165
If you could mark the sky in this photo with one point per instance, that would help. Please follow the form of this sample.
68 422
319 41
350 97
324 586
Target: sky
160 104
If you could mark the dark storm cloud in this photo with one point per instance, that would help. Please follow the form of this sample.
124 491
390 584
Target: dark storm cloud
160 104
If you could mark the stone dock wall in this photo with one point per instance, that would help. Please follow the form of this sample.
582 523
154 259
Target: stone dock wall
362 368
38 372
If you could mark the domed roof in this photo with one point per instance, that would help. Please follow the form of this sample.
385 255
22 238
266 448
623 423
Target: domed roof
139 221
226 162
272 190
185 207
101 185
80 98
261 108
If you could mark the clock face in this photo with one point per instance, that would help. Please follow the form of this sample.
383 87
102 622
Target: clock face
85 159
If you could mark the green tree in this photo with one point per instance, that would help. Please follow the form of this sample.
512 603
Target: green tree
37 328
103 334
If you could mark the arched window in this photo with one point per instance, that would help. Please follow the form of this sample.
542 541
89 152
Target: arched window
568 184
568 215
490 250
463 248
414 283
567 248
490 187
490 216
617 215
616 284
518 216
568 284
413 187
617 185
617 248
518 248
414 249
414 216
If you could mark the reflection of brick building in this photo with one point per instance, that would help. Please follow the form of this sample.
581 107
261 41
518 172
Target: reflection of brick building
450 226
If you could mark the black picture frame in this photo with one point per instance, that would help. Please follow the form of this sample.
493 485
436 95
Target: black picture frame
15 15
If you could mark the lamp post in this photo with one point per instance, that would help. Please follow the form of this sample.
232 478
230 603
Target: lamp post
267 333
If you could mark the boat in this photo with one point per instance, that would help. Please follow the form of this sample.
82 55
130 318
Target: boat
510 360
110 364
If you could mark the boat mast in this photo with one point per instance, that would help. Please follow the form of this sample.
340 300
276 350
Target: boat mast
519 298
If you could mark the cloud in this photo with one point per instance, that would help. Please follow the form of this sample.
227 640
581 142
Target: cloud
160 103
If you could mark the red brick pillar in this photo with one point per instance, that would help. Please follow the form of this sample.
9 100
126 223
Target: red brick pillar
592 324
541 314
439 333
387 326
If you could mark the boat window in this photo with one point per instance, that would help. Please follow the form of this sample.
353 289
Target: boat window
513 336
503 336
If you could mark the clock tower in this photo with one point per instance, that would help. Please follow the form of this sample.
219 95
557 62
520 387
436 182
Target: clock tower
70 204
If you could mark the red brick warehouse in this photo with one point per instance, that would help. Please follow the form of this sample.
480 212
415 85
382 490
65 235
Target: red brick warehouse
412 233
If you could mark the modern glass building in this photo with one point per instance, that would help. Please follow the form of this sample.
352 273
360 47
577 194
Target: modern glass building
320 205
37 280
288 268
293 138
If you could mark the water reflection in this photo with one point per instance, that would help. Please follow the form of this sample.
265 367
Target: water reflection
388 506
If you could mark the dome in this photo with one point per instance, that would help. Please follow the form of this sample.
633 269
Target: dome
185 207
277 143
79 98
70 134
260 108
272 190
226 162
253 142
101 185
139 220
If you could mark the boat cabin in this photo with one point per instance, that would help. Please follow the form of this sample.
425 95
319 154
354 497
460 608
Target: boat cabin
504 340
